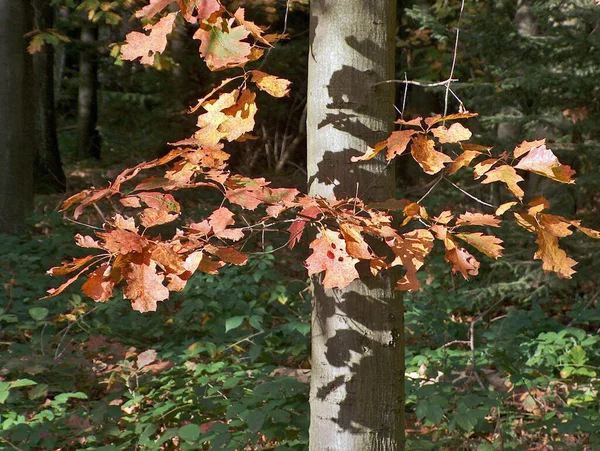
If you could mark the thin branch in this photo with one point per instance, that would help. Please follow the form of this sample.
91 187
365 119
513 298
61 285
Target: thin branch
468 194
462 6
419 83
431 189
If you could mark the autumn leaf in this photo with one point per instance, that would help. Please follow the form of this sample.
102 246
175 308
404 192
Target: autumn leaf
255 30
99 285
431 121
277 87
205 8
329 255
221 44
122 241
480 219
429 159
455 133
526 146
486 244
462 261
355 243
153 8
508 176
70 267
554 259
140 45
504 208
144 287
239 118
463 160
411 250
484 166
542 161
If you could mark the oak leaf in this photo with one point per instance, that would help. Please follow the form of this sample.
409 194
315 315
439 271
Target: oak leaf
486 244
100 285
329 255
542 161
481 219
153 8
356 245
455 133
205 8
429 159
144 287
462 261
463 160
277 87
221 44
140 45
508 176
484 166
411 250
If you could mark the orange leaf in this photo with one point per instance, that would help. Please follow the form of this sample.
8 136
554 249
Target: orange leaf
463 160
355 243
221 44
144 287
329 255
486 244
504 208
481 219
411 250
508 176
140 45
553 258
463 262
431 121
455 133
69 267
254 29
416 122
150 10
483 166
99 285
205 8
444 217
277 87
526 146
428 158
123 241
540 160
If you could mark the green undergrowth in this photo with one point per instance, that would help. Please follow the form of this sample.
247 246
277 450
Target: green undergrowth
507 360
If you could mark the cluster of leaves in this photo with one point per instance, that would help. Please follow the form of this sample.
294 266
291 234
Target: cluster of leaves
220 366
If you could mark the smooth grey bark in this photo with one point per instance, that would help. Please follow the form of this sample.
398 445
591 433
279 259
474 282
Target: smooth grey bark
88 138
16 148
357 379
49 174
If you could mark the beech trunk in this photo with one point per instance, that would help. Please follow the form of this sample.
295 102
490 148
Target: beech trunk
16 149
357 382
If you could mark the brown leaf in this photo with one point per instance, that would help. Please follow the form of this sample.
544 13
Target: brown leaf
355 243
542 161
553 258
508 176
69 267
463 262
411 250
504 208
329 255
153 8
140 45
221 44
482 167
144 287
429 159
455 133
277 87
431 121
526 146
99 285
486 244
463 160
481 219
205 8
123 241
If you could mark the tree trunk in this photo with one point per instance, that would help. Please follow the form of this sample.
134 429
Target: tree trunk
88 138
357 382
49 175
16 148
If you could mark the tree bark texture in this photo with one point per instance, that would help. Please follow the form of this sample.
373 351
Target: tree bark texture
49 174
357 382
88 138
16 149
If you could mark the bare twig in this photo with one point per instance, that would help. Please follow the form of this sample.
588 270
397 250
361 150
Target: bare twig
467 193
462 6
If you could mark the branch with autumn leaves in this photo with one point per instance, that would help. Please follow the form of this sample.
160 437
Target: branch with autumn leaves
151 266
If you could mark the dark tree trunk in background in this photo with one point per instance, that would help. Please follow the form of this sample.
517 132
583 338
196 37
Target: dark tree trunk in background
17 148
357 382
88 138
49 175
